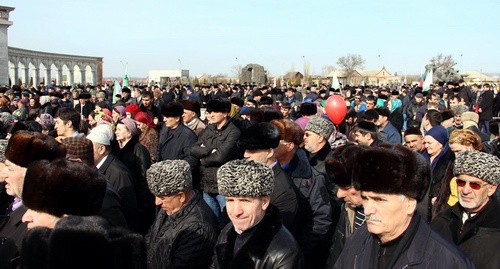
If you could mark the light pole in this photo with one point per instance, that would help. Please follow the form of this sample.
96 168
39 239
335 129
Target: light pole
180 63
461 56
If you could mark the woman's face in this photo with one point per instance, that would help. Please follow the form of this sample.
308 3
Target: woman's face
115 115
141 126
456 147
122 133
433 147
32 102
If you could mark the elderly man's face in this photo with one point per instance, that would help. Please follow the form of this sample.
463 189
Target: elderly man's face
13 175
39 219
473 192
258 155
171 203
458 119
246 212
351 196
312 141
387 215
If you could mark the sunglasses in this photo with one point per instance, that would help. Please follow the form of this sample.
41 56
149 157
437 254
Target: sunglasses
474 185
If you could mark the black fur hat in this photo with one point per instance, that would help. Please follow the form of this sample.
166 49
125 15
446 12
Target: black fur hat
172 109
263 135
82 242
63 187
339 166
308 109
392 169
218 105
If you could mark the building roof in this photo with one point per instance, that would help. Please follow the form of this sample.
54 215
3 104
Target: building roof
478 76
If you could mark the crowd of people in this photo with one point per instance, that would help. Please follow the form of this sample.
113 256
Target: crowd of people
249 176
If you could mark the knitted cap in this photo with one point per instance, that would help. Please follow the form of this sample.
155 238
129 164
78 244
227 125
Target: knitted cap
169 177
245 178
469 119
132 109
478 164
320 126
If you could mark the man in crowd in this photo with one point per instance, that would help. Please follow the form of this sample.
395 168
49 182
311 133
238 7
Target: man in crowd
473 223
339 171
392 180
486 104
215 146
314 234
115 172
23 148
366 134
67 123
255 238
185 230
391 134
414 139
147 106
260 142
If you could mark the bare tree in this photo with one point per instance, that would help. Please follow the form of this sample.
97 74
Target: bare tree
350 63
237 70
327 69
442 67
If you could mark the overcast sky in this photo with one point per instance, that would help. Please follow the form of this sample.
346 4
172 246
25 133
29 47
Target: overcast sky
213 36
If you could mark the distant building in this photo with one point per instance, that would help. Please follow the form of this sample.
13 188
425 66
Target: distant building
471 77
368 77
168 76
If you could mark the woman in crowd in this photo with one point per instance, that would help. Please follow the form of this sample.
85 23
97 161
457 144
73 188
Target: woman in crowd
118 113
34 108
149 135
460 140
440 156
136 157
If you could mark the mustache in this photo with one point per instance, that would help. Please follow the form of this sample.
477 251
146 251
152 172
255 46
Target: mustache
373 219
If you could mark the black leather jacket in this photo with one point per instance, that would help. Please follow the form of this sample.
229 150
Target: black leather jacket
270 246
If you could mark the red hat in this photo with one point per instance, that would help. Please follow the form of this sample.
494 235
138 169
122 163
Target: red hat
145 118
133 109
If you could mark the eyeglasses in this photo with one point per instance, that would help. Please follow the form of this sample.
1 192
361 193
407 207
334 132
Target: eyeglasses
473 184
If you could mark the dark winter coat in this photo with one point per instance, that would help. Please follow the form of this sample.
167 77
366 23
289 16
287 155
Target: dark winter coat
119 176
12 233
437 179
479 237
111 209
270 246
185 239
342 232
136 157
427 249
314 234
284 197
177 145
219 148
86 109
486 105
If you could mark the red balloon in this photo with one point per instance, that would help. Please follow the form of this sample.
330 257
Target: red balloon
336 108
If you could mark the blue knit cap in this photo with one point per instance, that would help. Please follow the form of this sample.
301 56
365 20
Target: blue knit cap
439 133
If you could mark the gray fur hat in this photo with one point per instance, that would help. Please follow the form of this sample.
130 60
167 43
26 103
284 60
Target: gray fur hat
245 178
459 109
169 177
478 164
320 126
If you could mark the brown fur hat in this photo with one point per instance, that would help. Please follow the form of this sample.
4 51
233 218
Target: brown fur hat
339 166
392 169
289 131
25 147
63 187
